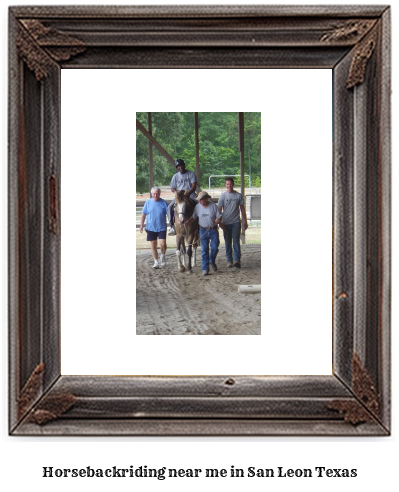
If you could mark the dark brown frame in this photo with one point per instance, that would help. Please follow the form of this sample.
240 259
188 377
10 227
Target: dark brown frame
353 41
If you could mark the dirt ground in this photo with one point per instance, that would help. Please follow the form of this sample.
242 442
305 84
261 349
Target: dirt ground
172 303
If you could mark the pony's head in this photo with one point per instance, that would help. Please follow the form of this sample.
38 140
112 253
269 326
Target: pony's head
181 206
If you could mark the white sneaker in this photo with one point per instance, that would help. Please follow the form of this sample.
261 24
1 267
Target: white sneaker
155 265
163 260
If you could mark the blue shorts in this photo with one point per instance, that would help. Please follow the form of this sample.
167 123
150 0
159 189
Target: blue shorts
152 236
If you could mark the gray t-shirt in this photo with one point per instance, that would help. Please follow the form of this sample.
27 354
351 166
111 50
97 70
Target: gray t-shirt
230 203
183 181
206 215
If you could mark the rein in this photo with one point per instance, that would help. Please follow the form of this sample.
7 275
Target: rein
198 238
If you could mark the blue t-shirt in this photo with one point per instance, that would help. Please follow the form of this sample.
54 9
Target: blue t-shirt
156 214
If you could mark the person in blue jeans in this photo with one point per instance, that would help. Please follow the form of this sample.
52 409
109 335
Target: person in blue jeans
209 217
231 202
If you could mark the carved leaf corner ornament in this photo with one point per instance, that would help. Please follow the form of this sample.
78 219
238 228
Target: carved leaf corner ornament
359 61
39 46
30 390
350 31
364 34
367 404
51 407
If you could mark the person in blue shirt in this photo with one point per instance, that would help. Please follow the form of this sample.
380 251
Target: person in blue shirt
155 210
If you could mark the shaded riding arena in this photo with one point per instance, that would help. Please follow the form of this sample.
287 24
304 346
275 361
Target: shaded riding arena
169 302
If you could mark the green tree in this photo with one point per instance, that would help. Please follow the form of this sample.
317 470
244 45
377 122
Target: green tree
167 130
218 146
252 144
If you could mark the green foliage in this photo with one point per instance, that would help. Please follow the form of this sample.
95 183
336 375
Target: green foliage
218 146
167 129
255 180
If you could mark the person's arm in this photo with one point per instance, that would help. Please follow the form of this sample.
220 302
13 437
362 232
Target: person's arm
220 203
219 222
166 212
143 216
192 189
219 217
172 185
244 217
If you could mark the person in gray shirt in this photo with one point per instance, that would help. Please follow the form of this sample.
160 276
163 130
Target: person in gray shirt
209 217
231 202
182 180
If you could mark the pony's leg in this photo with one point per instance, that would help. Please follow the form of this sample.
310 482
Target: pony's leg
195 242
180 266
189 254
183 250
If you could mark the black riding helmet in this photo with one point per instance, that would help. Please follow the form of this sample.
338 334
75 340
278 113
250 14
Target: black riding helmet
180 162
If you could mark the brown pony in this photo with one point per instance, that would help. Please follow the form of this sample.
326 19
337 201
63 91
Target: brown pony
184 208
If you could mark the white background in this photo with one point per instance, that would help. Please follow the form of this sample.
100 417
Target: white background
22 458
98 222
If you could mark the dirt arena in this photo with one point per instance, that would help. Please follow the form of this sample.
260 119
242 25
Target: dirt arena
172 303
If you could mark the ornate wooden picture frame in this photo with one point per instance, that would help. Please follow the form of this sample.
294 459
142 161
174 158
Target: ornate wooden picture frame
352 41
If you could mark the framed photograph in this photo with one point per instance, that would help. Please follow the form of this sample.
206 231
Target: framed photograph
353 399
198 265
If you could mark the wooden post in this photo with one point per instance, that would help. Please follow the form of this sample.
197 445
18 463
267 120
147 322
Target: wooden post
242 172
197 166
150 151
